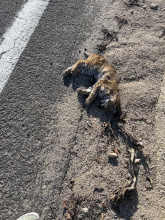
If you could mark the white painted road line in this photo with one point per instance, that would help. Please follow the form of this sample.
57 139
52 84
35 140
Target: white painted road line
17 37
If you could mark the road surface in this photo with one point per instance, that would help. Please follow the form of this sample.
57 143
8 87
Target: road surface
29 131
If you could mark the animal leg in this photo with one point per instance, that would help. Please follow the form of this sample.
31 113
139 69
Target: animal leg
77 66
74 69
84 91
93 94
67 71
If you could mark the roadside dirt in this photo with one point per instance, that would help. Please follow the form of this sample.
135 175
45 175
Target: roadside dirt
130 34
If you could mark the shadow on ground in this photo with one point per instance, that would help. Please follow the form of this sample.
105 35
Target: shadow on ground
126 208
85 81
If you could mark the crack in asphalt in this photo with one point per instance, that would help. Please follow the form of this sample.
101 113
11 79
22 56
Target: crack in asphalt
18 35
73 141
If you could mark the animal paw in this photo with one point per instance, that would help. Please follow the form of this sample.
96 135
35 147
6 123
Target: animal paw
84 91
67 71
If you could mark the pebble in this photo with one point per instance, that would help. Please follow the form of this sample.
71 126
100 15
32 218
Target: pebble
144 7
137 161
113 155
162 34
154 6
85 210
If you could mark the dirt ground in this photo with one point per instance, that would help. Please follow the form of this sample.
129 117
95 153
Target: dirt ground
130 34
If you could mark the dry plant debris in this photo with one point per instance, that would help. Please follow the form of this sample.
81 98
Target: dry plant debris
109 36
133 148
130 184
70 207
121 21
130 3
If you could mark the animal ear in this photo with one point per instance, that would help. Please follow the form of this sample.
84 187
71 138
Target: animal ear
86 54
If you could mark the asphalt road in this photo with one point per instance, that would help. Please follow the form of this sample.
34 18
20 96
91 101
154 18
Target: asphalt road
28 109
8 10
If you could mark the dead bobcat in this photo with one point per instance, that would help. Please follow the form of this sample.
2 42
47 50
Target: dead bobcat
106 87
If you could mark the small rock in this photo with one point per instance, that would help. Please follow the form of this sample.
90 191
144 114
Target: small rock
85 210
137 161
113 155
162 34
144 7
117 151
154 6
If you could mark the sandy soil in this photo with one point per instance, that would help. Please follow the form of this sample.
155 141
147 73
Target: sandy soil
135 46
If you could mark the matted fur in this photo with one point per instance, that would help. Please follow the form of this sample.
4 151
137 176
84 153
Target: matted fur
106 86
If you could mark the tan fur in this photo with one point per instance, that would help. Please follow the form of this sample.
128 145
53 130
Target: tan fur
106 86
